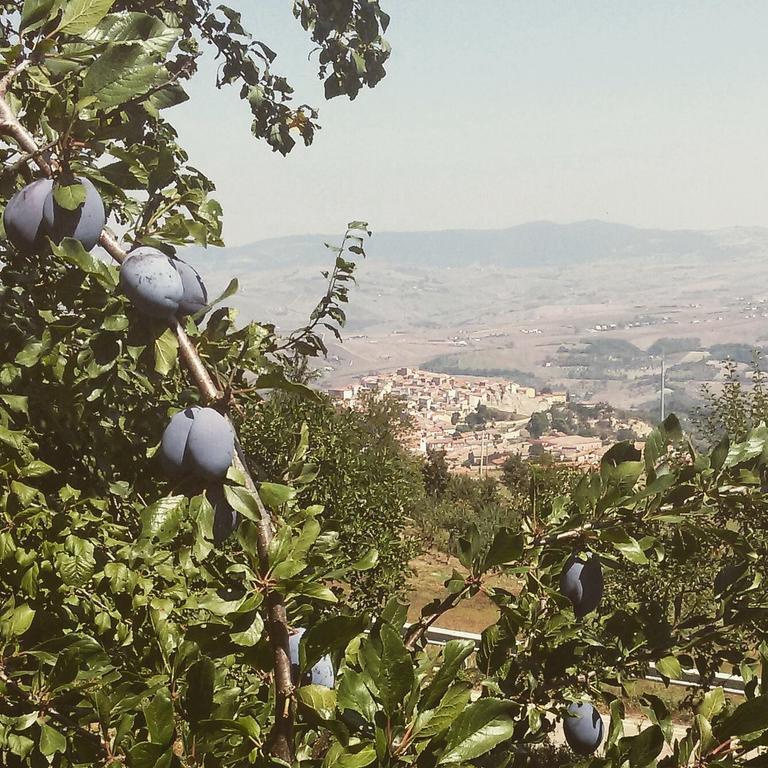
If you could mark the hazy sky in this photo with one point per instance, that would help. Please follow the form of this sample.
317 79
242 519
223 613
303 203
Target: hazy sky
498 112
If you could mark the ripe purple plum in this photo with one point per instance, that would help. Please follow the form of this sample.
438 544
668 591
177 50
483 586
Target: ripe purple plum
150 280
211 444
173 446
321 673
583 728
85 223
581 581
23 216
195 295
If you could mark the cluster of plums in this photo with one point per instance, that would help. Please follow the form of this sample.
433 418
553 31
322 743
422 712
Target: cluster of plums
158 285
581 581
200 443
161 286
33 214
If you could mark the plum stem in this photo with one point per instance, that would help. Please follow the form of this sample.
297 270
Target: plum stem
281 738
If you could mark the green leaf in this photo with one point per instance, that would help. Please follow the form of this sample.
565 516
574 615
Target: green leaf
199 697
21 620
145 754
36 468
331 634
396 674
669 667
313 589
645 747
35 13
432 722
712 703
166 352
626 544
81 15
242 501
159 717
30 354
17 403
161 520
369 560
69 196
478 729
703 728
252 634
232 288
353 756
354 694
318 698
455 653
274 495
747 718
506 547
51 741
133 27
120 74
77 564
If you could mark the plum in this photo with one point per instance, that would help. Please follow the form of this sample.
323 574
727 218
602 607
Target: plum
582 583
23 216
199 441
84 223
225 519
173 446
583 728
211 444
321 673
152 283
195 296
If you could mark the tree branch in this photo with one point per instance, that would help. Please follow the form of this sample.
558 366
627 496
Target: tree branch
282 737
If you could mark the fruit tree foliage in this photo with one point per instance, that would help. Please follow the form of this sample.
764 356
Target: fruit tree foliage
127 635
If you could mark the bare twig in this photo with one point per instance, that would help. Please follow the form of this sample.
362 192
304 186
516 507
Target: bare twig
281 740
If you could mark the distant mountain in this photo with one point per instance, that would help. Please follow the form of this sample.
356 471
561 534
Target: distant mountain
540 243
434 279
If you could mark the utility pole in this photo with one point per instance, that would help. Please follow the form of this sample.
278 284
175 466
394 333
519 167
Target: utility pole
663 382
482 452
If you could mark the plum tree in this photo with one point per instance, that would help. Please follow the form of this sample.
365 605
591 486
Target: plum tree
581 581
195 295
23 216
151 281
321 672
210 445
583 728
69 214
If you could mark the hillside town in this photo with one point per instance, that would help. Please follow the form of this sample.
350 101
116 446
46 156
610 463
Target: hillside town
479 422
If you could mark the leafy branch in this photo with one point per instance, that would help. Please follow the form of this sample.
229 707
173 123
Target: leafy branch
278 627
308 341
